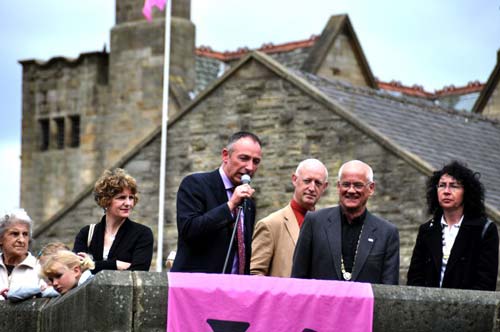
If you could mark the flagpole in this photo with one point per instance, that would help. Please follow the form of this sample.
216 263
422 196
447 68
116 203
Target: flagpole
163 153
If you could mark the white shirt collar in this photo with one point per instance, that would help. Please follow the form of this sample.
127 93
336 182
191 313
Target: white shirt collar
457 225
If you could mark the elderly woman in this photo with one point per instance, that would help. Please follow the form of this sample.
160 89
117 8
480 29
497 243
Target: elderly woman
116 242
458 247
18 267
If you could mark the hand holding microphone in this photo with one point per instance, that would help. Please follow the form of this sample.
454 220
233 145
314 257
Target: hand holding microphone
241 192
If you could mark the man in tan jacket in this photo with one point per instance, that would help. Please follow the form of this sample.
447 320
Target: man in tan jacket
275 236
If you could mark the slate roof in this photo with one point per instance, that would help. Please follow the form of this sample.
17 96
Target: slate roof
207 71
292 59
433 134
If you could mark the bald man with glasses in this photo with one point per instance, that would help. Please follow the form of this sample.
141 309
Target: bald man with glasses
347 242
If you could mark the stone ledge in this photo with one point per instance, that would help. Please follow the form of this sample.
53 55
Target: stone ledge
137 301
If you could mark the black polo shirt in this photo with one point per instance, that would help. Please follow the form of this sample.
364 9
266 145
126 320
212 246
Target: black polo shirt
350 237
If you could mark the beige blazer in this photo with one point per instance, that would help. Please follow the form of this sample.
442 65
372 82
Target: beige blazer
273 244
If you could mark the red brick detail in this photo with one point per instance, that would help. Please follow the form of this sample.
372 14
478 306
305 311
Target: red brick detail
474 86
418 90
266 48
414 90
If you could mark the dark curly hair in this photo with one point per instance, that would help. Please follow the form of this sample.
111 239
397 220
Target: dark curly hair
473 199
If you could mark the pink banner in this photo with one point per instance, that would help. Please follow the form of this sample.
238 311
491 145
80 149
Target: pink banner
148 7
200 302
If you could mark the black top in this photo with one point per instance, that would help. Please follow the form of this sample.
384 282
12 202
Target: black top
350 238
133 244
473 262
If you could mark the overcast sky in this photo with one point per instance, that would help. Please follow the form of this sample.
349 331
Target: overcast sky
426 42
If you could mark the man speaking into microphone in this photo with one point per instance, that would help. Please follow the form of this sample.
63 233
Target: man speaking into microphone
207 208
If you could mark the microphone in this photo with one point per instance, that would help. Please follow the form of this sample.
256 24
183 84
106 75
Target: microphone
245 179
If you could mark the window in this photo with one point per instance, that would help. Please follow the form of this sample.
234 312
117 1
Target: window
59 133
44 134
75 131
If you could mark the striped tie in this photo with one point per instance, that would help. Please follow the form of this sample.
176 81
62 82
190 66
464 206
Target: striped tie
241 245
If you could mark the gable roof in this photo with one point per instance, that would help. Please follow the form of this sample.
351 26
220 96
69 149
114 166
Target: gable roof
335 26
419 132
424 135
491 84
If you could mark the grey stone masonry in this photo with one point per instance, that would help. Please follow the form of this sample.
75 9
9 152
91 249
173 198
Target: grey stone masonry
292 125
137 301
82 116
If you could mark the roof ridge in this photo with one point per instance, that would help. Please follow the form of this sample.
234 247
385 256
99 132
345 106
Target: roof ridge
419 91
207 51
427 104
71 61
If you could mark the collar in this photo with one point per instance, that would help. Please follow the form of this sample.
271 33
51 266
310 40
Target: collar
296 207
86 275
228 185
457 225
29 261
355 221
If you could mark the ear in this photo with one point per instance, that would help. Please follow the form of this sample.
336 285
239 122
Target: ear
294 179
77 270
225 155
326 186
371 188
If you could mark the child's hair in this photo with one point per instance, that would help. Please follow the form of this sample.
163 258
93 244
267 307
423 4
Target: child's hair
52 248
67 258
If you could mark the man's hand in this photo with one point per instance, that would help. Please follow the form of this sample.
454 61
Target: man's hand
240 193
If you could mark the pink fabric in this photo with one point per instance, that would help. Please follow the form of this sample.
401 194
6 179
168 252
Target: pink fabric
267 303
148 7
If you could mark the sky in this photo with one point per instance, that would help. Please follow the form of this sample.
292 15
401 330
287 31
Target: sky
425 42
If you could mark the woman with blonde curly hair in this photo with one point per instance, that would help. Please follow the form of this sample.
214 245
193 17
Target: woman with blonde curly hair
65 270
116 242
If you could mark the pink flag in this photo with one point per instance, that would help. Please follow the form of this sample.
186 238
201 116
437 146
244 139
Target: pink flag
148 7
227 302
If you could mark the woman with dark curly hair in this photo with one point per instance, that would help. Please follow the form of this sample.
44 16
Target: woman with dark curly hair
458 246
116 243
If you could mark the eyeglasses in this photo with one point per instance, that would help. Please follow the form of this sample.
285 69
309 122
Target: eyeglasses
358 186
453 186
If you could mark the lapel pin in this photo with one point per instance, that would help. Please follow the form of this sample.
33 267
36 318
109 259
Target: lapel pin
370 239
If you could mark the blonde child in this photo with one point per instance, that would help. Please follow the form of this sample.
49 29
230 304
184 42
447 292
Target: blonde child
65 270
50 249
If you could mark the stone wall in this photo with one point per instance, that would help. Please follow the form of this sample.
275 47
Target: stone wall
118 98
56 91
137 301
292 125
342 63
492 107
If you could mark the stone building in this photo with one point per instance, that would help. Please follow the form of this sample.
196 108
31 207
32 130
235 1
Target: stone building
315 98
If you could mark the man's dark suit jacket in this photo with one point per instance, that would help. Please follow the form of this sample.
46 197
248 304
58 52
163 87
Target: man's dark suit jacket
473 262
133 244
319 249
205 225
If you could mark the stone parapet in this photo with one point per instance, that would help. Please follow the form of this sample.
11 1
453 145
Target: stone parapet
137 301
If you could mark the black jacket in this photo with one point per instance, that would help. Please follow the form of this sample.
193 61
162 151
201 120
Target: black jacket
473 262
205 224
319 249
133 244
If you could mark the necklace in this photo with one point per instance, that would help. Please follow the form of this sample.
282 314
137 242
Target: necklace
348 275
112 235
